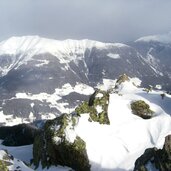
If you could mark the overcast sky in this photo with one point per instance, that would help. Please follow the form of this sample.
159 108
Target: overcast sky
103 20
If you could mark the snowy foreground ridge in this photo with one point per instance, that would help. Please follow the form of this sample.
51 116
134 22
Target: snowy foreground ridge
116 147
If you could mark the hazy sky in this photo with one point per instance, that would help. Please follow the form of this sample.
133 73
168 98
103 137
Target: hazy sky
103 20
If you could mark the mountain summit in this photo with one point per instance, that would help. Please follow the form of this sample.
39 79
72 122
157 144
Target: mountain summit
162 38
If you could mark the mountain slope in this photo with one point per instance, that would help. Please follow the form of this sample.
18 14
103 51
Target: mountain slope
78 56
156 50
34 71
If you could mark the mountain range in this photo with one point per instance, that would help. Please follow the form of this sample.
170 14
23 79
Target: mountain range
63 108
41 78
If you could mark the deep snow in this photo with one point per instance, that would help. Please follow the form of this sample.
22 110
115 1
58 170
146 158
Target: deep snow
118 145
115 147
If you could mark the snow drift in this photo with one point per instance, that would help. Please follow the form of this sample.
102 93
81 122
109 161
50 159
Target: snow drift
117 145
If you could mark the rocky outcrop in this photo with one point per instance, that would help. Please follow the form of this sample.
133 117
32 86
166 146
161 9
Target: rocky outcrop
159 159
142 109
3 166
122 78
54 146
96 107
9 163
58 144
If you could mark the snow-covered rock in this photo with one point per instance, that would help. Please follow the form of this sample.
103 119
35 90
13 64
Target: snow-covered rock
8 162
117 145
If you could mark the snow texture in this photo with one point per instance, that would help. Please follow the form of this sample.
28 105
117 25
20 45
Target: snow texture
118 145
36 45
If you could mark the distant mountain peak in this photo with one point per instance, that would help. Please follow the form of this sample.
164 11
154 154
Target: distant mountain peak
162 38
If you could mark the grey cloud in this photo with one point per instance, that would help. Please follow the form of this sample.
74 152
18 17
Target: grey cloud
104 20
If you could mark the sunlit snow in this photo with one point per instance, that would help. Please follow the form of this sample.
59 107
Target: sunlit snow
118 145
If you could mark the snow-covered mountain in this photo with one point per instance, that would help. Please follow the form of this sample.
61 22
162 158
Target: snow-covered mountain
41 78
93 58
156 50
162 38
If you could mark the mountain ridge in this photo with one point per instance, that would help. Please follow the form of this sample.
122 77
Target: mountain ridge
31 77
40 42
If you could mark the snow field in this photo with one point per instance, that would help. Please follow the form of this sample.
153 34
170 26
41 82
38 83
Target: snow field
118 145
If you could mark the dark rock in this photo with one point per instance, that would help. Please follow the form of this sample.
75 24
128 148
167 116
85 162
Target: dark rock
158 158
51 147
92 98
18 135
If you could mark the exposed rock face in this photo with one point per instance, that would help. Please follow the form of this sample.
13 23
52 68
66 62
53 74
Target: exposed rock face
3 166
5 160
18 135
159 159
56 146
122 78
142 109
167 146
53 147
9 163
96 107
